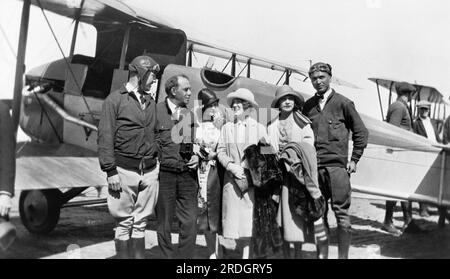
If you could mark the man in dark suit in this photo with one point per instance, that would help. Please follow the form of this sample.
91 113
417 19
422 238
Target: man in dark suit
443 212
7 175
7 160
333 116
425 127
446 131
399 115
177 176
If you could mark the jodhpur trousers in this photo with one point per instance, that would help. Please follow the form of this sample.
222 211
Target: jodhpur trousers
334 182
132 206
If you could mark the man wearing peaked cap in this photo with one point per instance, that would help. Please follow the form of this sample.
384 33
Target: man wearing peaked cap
333 116
425 127
404 88
399 115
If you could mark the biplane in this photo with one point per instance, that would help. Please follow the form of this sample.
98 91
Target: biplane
58 107
399 164
60 102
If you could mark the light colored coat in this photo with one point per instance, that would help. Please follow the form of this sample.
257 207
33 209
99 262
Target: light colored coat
237 209
294 227
300 135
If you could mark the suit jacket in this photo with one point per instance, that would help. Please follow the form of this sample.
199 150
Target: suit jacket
419 128
7 151
398 115
172 135
446 136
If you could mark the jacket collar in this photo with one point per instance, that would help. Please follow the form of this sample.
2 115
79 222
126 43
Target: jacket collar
317 98
403 102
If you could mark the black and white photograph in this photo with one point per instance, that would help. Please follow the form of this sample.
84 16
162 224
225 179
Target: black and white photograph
225 130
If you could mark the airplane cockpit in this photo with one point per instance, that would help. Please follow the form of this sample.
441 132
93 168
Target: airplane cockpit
78 84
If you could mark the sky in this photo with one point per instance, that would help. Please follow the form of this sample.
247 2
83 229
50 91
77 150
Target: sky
400 39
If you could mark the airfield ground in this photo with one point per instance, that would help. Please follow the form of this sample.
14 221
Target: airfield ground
87 232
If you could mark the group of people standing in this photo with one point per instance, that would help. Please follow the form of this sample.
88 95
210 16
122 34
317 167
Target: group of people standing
399 115
166 159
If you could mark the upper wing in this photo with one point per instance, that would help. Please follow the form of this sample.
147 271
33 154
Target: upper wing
423 92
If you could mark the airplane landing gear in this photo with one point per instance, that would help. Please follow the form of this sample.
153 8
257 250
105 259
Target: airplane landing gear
40 209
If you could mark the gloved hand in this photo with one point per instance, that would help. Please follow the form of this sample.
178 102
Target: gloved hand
317 208
114 182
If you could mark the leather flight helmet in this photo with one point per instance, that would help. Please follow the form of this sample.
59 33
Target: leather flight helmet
143 65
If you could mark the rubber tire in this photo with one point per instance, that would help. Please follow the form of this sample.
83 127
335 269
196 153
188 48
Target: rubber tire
51 208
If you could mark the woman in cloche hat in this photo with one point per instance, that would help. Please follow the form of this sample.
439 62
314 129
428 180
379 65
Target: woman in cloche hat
207 136
235 137
292 126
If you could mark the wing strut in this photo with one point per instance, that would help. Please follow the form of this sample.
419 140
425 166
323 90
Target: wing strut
66 61
20 64
379 100
75 30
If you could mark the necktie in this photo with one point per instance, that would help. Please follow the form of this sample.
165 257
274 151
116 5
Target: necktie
142 98
320 96
177 113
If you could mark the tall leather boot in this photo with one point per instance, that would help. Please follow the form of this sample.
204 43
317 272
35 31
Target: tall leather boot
388 225
344 237
298 250
137 248
286 250
122 249
442 215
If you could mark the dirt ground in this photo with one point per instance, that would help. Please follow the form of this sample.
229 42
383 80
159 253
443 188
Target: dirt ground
87 232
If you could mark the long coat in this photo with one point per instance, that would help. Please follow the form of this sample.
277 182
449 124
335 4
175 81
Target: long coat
237 207
294 227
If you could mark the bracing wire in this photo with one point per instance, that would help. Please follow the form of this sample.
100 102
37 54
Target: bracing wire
8 42
65 60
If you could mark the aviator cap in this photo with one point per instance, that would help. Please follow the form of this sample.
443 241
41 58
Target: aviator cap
320 67
142 65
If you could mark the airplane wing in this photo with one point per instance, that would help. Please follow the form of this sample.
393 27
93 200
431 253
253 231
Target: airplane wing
225 53
398 164
425 92
47 166
99 12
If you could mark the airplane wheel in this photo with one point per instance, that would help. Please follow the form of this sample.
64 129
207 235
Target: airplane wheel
39 210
